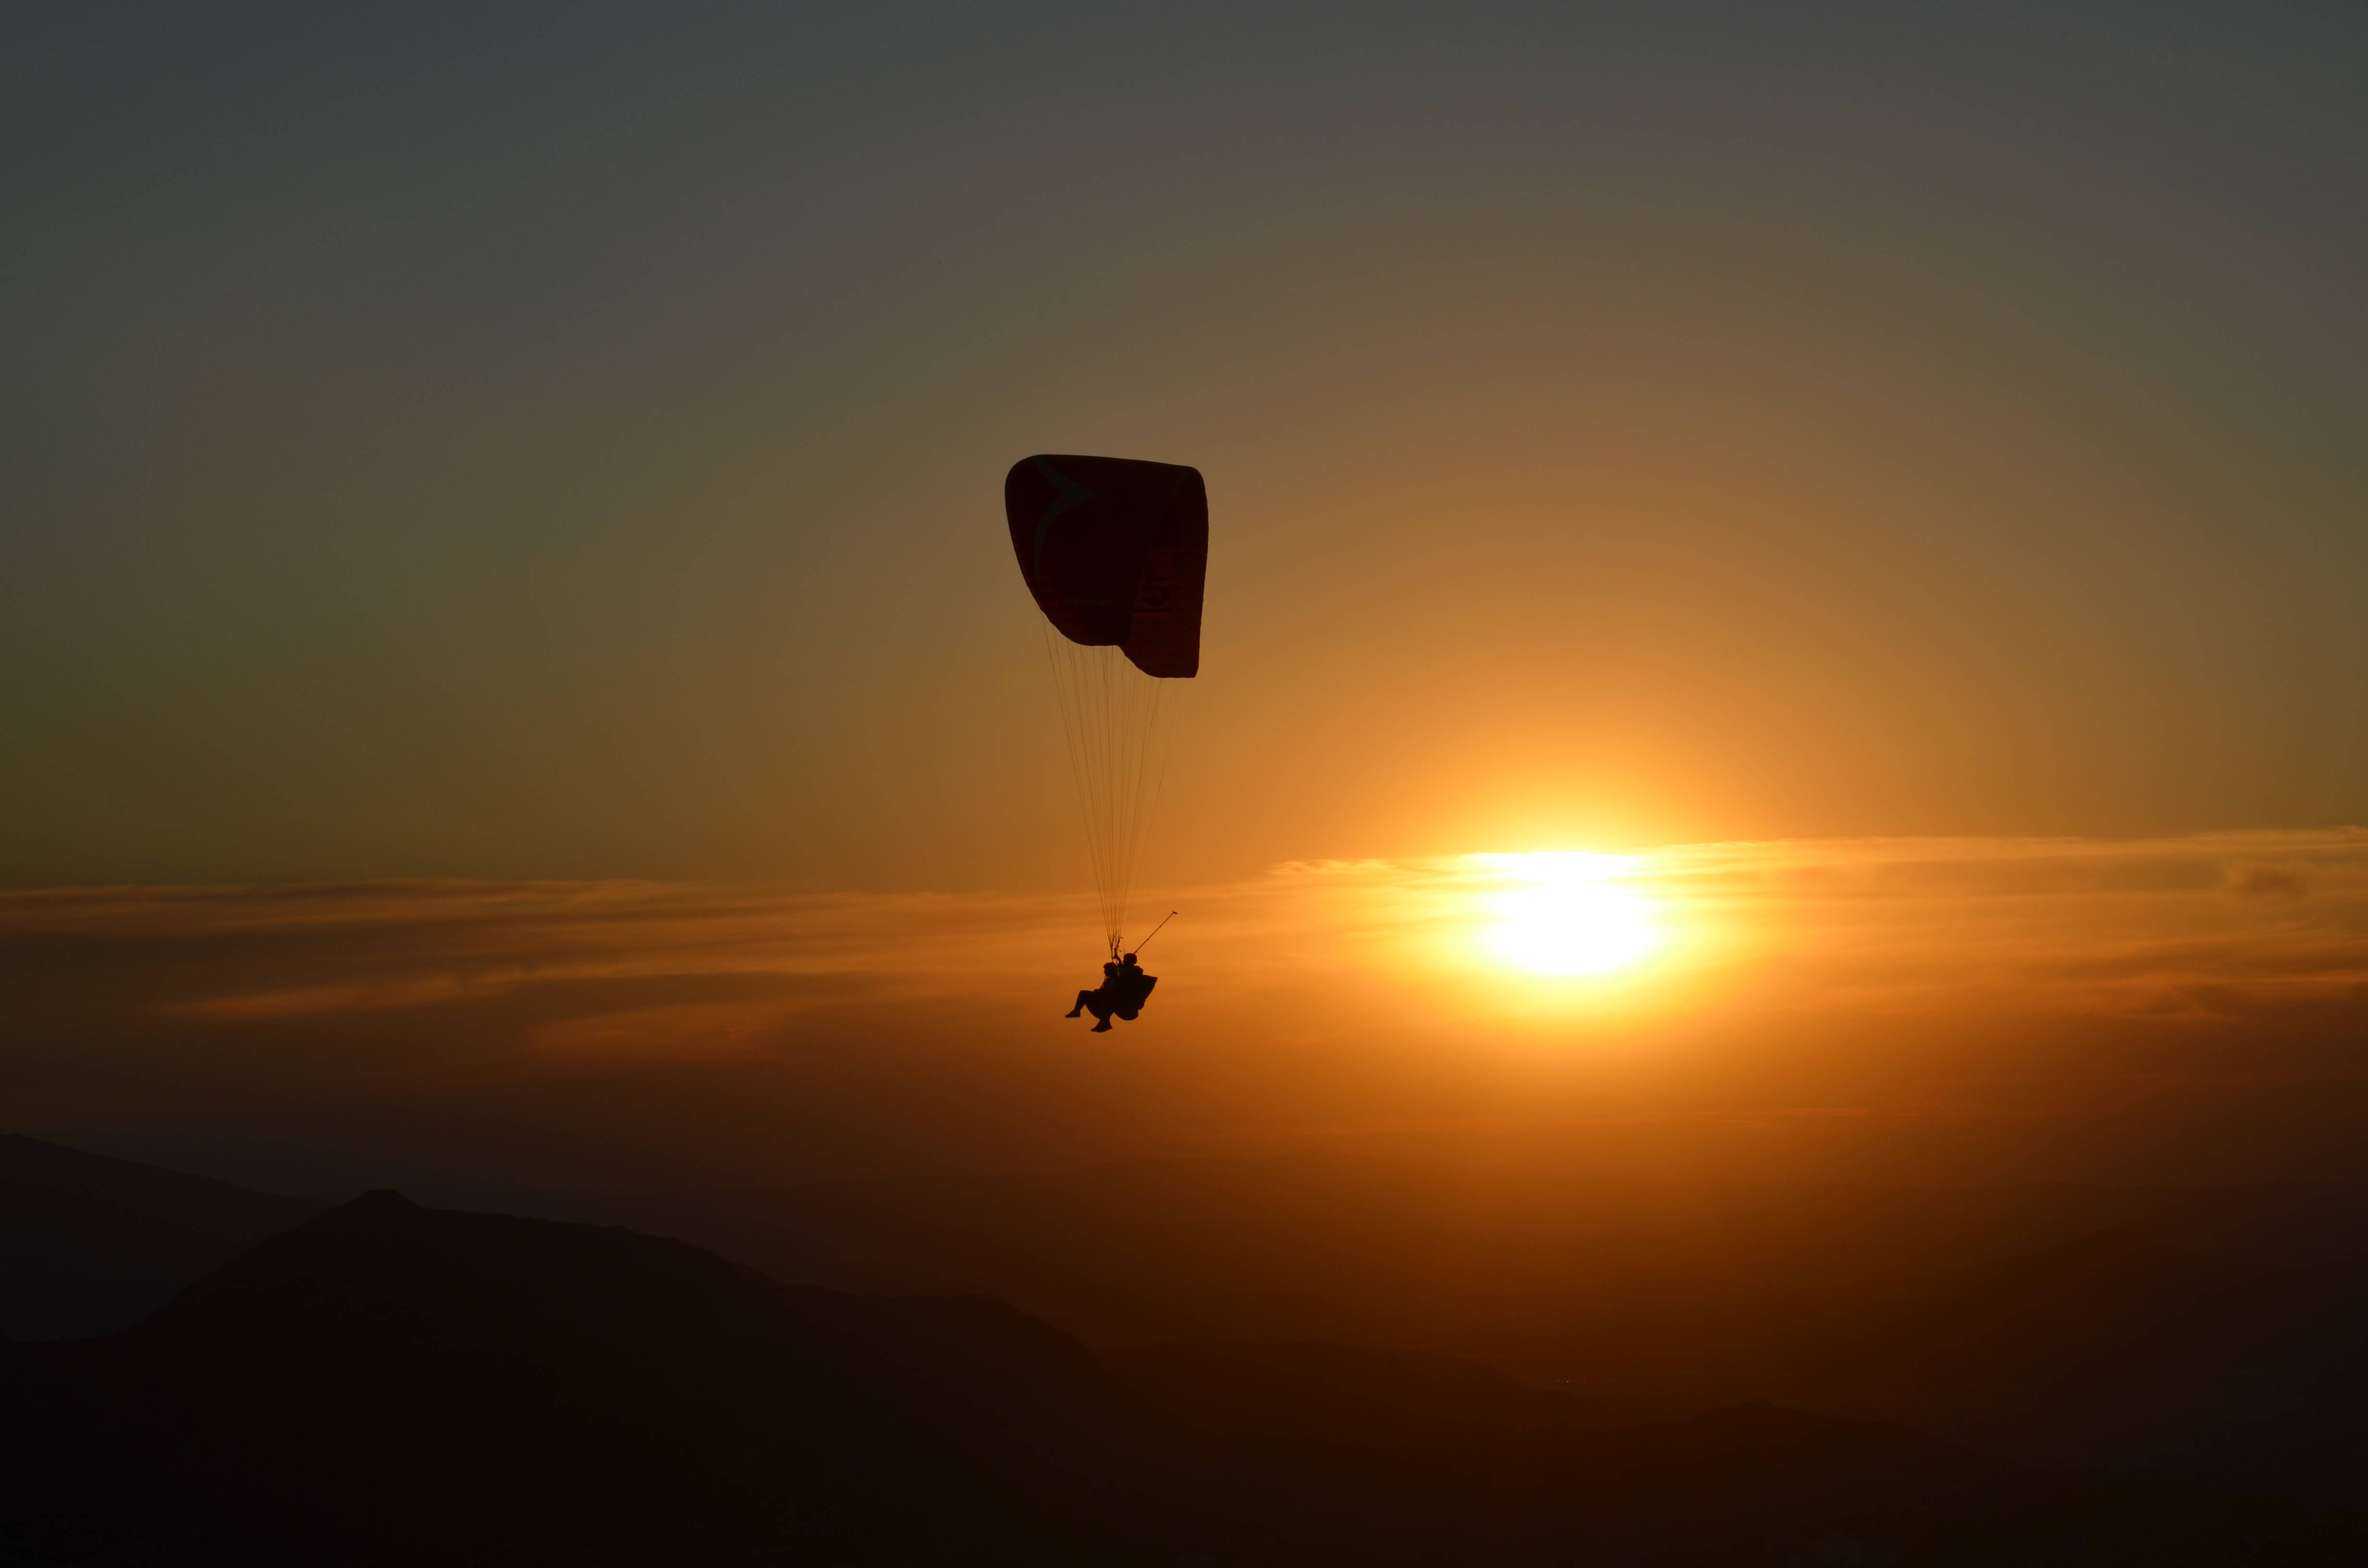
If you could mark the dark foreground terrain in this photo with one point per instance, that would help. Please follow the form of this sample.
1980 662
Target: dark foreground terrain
2209 1333
90 1244
387 1384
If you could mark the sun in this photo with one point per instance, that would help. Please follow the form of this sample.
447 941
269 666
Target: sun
1569 920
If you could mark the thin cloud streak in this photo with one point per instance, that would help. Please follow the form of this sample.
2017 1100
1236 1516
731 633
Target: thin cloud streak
2140 928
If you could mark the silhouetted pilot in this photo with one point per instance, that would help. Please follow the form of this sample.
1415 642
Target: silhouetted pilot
1130 989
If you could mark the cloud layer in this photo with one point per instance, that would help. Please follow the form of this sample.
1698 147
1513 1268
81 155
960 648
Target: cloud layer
1929 1007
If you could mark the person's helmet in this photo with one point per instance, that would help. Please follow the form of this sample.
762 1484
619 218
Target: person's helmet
1129 958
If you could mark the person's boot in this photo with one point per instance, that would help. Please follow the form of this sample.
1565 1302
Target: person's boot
1102 1028
1073 1012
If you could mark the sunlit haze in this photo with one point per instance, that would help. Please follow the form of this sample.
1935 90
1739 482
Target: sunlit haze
1567 915
1927 1009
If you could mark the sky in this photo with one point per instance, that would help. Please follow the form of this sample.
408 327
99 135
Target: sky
489 462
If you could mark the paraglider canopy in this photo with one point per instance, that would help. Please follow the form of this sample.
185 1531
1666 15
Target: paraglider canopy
1116 552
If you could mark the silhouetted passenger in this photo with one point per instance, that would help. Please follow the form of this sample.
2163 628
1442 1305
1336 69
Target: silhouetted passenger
1101 1001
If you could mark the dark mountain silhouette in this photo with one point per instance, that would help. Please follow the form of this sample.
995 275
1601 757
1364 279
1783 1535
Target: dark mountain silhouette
1308 1346
528 1301
389 1384
1323 1244
392 1379
2201 1331
1752 1484
90 1244
2115 1350
2111 1351
1349 1395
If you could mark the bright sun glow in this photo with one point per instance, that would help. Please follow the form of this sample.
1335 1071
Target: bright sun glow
1568 921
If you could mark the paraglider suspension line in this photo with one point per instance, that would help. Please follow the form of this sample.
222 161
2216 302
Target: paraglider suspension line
1118 724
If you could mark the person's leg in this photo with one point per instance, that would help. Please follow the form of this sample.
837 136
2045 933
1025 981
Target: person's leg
1084 998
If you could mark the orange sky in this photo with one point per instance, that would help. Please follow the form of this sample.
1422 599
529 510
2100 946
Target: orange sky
512 669
1929 1009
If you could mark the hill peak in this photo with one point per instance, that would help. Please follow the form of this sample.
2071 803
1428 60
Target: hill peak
381 1199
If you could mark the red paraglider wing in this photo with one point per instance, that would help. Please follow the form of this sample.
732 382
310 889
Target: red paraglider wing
1164 637
1116 552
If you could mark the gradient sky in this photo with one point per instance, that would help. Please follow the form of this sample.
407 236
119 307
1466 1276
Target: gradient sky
564 441
512 671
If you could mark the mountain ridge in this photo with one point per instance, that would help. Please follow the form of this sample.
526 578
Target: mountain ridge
391 1384
91 1244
